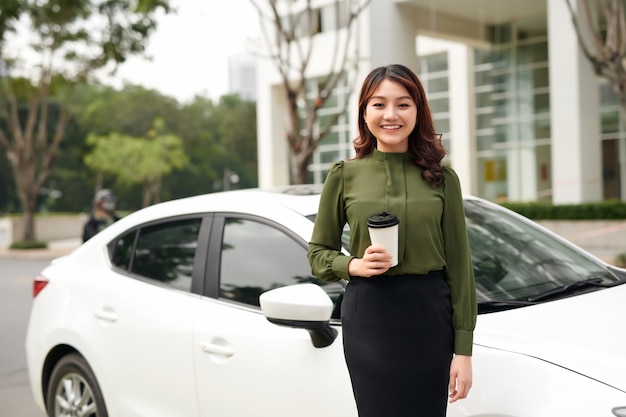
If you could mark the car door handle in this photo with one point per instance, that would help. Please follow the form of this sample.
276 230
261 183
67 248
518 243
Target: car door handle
106 314
218 349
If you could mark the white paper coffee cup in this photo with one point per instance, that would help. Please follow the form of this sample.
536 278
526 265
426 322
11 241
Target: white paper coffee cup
383 230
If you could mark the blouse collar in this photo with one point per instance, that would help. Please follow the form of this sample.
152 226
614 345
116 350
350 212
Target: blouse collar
389 156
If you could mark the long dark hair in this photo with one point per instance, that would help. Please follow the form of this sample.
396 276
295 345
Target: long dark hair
425 148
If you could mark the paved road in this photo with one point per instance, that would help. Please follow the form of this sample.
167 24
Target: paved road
16 277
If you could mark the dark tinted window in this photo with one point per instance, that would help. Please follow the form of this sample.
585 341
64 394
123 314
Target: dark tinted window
164 252
123 250
257 257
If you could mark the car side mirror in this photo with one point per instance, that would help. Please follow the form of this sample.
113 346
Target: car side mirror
302 306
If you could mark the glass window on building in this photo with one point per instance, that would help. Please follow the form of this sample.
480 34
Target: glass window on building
492 177
532 53
499 34
504 133
484 120
502 81
542 128
613 143
544 180
485 141
434 76
607 95
512 112
610 121
332 122
483 100
611 176
334 16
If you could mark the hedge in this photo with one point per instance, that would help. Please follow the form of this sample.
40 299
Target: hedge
604 210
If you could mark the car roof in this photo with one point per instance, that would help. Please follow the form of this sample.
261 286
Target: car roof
303 199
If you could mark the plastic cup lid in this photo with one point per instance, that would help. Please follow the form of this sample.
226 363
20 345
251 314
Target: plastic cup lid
381 220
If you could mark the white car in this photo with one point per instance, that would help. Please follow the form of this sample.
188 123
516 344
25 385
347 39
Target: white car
206 306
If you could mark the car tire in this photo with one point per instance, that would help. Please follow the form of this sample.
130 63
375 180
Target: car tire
74 390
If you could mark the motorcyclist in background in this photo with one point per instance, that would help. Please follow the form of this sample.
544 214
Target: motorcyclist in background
102 215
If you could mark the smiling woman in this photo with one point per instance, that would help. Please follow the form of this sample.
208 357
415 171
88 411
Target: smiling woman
428 289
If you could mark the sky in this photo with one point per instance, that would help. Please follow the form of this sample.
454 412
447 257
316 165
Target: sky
190 49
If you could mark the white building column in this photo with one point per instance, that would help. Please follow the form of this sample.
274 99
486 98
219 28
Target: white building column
272 147
390 35
575 125
462 131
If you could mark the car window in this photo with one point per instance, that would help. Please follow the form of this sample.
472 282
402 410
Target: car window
163 252
257 257
513 260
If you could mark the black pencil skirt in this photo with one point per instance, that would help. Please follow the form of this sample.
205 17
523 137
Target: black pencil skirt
398 343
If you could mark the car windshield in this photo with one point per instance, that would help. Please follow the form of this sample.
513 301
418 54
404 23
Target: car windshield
516 263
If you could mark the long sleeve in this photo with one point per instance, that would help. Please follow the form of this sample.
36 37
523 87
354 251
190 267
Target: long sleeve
459 271
327 261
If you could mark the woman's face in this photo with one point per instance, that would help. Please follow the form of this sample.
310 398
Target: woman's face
391 115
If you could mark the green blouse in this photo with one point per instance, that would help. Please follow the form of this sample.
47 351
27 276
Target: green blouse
432 232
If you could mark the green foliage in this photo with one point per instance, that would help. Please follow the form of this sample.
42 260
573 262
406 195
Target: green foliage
216 137
68 41
10 10
23 244
136 160
131 110
604 210
83 35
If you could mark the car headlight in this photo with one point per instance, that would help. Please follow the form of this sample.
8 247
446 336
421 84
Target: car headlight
619 411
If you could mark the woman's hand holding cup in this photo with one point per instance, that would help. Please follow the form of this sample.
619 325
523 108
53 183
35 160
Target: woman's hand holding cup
375 261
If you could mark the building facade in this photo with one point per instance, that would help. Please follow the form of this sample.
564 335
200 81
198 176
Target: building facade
522 114
242 76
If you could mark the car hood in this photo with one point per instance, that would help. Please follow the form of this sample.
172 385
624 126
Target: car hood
584 333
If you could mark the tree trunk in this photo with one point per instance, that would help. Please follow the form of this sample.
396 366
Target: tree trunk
156 191
27 192
27 195
300 165
29 225
145 200
151 191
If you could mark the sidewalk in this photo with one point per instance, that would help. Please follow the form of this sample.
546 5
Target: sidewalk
55 249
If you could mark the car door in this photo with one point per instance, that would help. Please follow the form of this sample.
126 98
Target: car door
145 321
244 364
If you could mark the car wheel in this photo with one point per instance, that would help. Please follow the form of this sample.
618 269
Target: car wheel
73 390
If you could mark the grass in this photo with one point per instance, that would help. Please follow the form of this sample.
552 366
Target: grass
23 244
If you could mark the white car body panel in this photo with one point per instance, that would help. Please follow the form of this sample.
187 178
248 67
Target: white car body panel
586 333
273 365
99 316
507 384
566 355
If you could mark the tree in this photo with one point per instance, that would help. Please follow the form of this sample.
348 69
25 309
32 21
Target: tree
235 130
69 40
131 111
606 33
138 160
289 40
